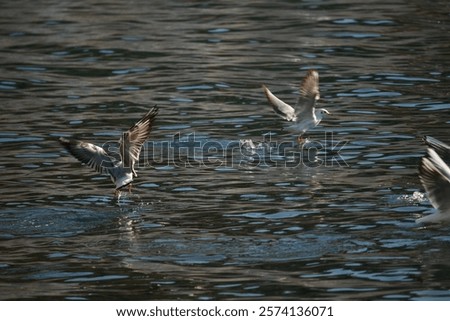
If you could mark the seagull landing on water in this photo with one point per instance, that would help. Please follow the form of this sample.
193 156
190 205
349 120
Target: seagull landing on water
304 116
434 173
121 171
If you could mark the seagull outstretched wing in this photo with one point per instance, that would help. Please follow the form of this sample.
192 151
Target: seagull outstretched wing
89 154
309 94
133 139
284 110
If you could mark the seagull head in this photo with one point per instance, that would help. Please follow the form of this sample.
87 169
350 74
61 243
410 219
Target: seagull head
320 113
323 111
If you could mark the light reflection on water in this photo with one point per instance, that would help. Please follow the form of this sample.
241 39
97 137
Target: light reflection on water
222 221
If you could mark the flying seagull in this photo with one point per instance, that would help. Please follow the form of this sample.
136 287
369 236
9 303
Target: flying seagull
121 170
304 115
434 174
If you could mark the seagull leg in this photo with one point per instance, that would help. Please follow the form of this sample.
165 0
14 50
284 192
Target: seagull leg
129 188
116 193
300 140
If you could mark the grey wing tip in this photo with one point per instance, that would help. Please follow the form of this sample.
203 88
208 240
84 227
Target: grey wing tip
154 111
266 92
63 140
313 72
151 114
66 143
148 117
428 140
433 142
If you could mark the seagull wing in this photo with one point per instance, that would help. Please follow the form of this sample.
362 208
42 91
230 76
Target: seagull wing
435 177
309 94
89 154
442 149
284 110
133 139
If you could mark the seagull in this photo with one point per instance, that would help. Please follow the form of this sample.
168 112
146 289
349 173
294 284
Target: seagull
121 171
304 116
434 174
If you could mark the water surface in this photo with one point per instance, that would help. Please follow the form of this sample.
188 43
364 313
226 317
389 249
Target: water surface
209 220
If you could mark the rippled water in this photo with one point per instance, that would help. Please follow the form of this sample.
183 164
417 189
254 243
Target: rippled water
209 219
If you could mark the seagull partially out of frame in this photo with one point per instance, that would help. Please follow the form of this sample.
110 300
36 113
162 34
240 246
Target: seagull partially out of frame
121 170
434 173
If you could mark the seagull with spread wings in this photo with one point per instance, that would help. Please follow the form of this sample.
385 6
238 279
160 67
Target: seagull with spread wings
304 115
434 173
121 171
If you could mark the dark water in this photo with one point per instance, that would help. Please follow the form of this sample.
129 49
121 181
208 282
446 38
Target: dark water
208 219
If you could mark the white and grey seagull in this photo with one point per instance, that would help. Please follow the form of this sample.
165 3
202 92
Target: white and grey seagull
121 170
304 115
434 174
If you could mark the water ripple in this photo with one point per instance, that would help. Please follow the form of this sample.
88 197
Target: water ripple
209 217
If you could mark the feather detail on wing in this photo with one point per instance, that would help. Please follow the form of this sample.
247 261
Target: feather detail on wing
435 177
280 107
89 154
133 139
442 149
309 93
